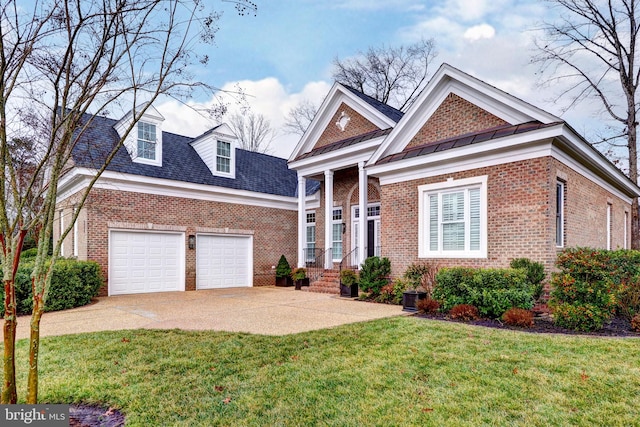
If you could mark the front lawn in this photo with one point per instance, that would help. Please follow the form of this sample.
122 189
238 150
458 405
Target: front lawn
399 371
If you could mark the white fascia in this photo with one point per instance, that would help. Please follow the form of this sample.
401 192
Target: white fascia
483 154
79 178
338 159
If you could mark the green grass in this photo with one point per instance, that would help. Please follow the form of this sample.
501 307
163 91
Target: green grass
390 372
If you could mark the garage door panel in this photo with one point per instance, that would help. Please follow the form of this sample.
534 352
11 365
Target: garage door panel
223 261
145 262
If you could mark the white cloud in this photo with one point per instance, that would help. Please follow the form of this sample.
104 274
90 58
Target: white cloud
267 97
482 31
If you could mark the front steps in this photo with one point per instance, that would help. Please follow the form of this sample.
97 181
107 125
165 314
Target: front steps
327 283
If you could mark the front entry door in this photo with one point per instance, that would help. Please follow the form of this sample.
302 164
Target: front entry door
371 238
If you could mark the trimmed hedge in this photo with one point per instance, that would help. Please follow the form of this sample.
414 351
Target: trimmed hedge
73 284
492 291
592 285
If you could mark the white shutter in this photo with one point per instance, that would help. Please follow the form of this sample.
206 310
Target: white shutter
433 222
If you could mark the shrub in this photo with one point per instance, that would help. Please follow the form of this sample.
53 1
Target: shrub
585 292
348 277
374 274
421 276
29 253
283 269
518 317
73 284
392 293
534 271
629 298
299 273
580 317
635 323
464 312
428 306
492 291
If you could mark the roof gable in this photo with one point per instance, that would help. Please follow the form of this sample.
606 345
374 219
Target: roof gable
330 124
469 92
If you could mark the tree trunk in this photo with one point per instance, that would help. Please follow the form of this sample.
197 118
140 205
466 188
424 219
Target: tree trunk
633 173
9 392
34 348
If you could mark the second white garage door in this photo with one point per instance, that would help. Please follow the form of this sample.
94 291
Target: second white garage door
223 261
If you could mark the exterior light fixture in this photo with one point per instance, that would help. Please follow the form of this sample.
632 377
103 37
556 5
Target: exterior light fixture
192 241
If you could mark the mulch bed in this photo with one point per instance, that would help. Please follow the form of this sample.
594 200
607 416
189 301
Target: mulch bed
617 327
94 416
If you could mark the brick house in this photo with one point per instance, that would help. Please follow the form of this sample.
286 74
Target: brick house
468 175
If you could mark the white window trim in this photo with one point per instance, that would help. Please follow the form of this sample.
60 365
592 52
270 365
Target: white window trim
232 159
334 222
61 231
75 234
158 160
306 235
626 230
423 216
609 218
560 184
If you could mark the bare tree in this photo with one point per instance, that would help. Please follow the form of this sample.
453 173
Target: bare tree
591 52
300 117
61 61
393 75
253 130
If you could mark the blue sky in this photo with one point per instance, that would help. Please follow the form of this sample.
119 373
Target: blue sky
283 55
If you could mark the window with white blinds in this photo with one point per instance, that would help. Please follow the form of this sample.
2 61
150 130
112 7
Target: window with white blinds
453 219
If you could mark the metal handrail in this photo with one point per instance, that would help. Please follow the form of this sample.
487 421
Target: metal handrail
316 267
350 261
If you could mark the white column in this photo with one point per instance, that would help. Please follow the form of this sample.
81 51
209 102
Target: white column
362 221
302 219
328 216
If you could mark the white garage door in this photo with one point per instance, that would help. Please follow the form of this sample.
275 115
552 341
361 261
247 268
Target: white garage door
141 262
223 261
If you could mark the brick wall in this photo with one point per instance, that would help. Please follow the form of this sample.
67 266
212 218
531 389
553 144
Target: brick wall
358 125
274 230
521 215
454 117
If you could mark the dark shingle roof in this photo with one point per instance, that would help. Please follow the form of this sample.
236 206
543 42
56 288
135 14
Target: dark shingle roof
466 139
385 109
180 162
345 143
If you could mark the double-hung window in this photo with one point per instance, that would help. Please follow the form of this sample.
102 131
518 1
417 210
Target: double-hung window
336 232
223 157
311 236
147 141
560 213
453 219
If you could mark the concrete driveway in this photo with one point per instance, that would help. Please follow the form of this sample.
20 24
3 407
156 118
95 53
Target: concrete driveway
260 310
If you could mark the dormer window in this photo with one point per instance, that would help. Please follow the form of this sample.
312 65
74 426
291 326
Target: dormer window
142 139
217 148
147 141
223 157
